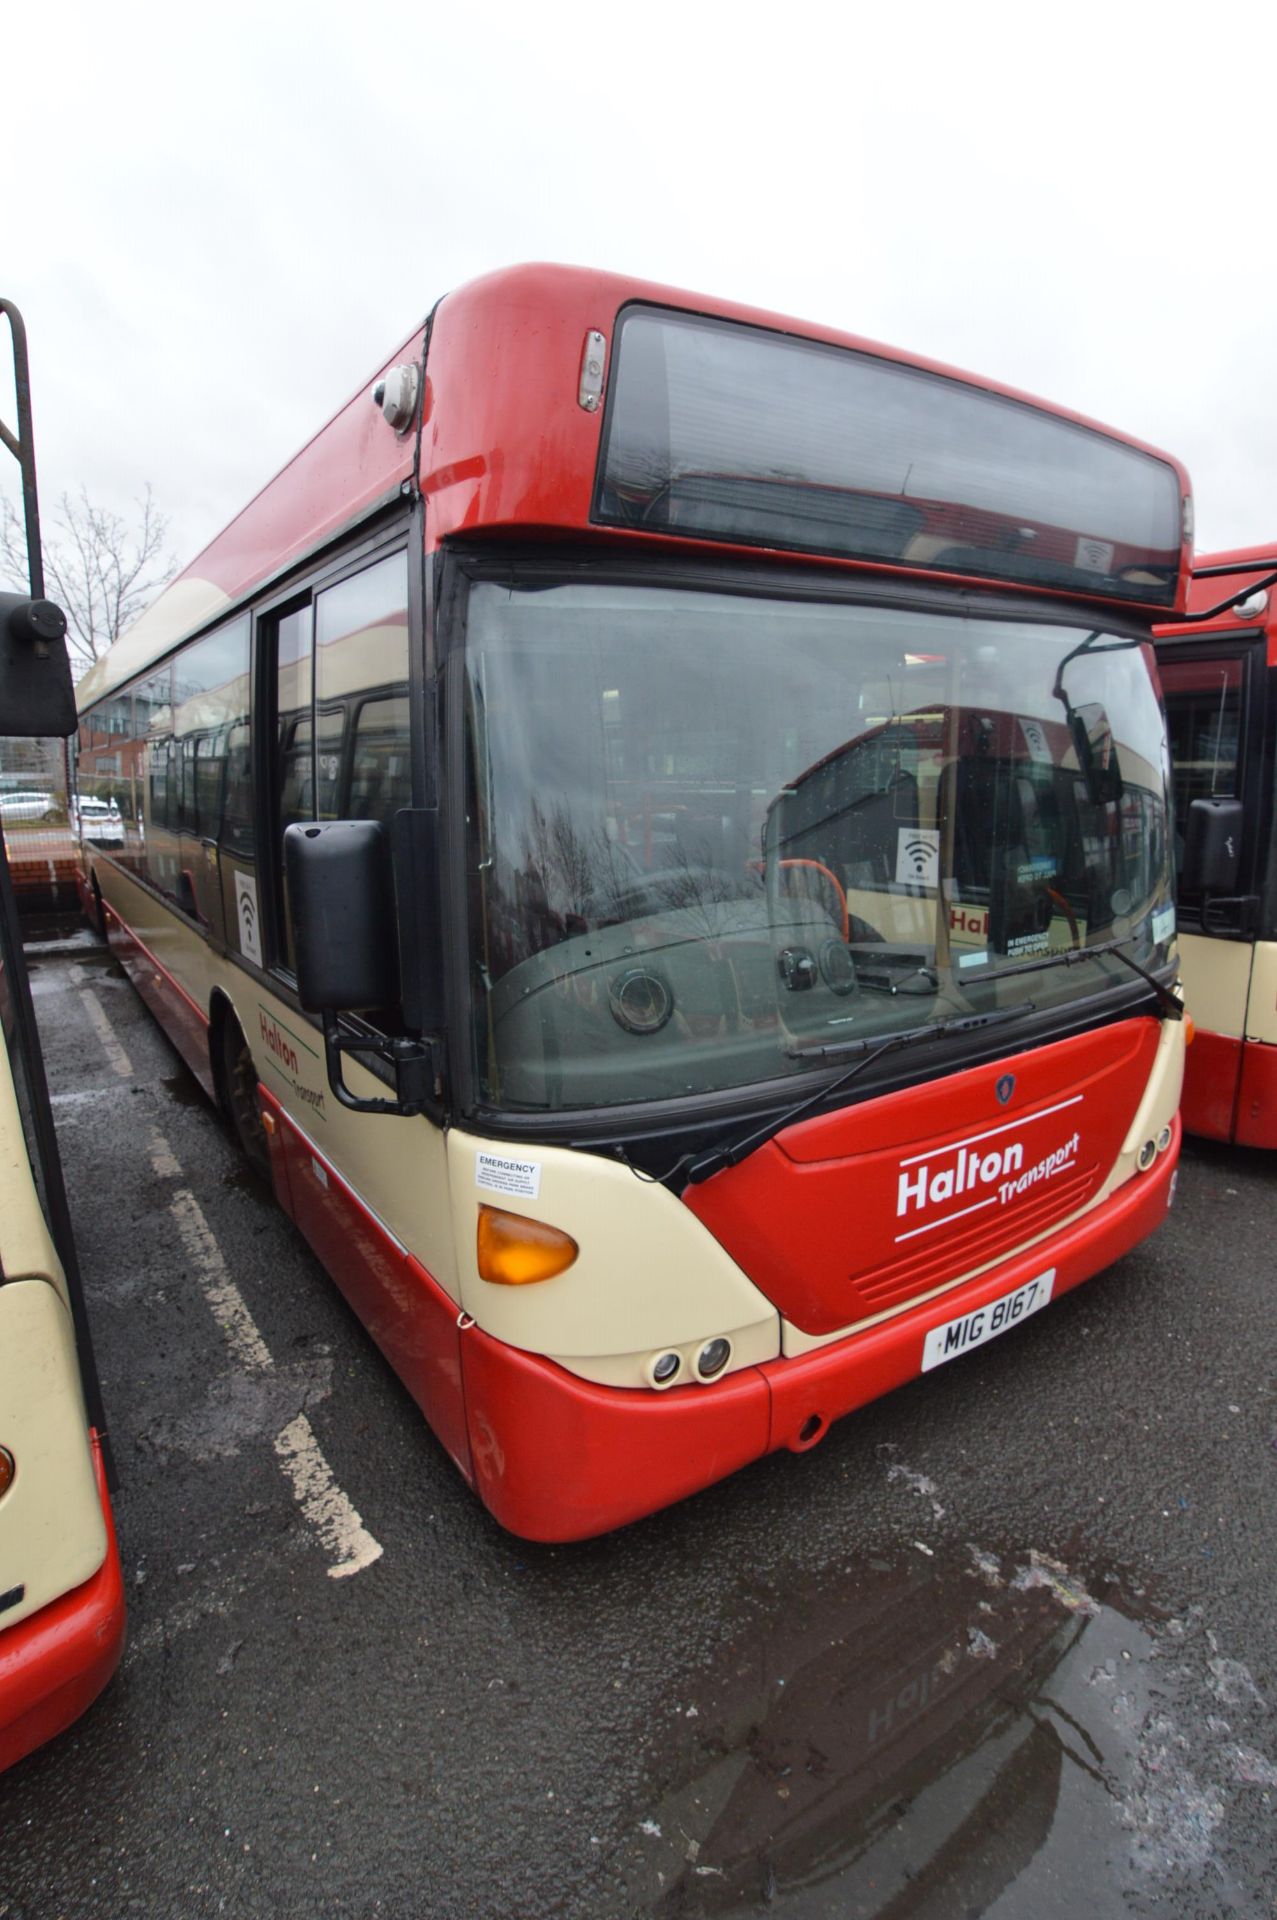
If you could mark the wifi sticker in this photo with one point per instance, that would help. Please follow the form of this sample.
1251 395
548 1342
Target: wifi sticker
246 911
918 857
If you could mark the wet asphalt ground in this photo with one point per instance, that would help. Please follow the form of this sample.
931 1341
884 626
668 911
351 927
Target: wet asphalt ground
1002 1645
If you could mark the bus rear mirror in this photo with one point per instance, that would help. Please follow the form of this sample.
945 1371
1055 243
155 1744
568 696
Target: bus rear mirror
342 898
37 698
1212 847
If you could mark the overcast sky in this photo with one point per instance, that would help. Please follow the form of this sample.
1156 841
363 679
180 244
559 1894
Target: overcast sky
218 221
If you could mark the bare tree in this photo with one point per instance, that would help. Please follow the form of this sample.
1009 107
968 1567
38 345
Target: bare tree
101 568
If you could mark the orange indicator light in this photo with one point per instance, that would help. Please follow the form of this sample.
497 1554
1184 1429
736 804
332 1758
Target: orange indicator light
1190 1031
516 1252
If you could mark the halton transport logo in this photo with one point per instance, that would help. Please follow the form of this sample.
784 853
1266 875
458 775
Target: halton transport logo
280 1046
990 1169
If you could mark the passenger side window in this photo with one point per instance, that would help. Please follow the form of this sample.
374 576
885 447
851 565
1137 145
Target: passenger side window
211 696
380 764
341 685
361 628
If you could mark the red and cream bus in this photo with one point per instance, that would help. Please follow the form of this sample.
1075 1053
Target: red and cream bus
655 827
1219 682
61 1592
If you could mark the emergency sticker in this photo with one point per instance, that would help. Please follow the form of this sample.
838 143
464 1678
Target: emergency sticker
518 1178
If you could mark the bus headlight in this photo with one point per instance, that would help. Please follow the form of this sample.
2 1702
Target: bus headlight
713 1357
8 1467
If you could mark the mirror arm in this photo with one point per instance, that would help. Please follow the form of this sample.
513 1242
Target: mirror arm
418 1066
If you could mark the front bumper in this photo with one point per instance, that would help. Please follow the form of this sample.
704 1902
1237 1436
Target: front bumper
557 1458
56 1662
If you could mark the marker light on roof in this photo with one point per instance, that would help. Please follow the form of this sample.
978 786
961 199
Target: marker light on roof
593 361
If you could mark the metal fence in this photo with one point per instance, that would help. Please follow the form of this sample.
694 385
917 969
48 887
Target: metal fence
39 823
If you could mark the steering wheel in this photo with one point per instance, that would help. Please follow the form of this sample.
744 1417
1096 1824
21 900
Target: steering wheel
818 866
670 888
1060 901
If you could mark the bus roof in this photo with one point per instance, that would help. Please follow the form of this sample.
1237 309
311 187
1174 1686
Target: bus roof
507 440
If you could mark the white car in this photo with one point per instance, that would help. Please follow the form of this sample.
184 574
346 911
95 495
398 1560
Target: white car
97 820
29 804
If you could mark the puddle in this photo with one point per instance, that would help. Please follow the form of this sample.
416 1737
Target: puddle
184 1090
967 1736
241 1179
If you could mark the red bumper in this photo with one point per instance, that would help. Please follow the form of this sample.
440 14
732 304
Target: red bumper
56 1663
557 1458
1230 1090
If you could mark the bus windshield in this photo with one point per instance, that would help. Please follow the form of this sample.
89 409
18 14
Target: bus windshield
712 836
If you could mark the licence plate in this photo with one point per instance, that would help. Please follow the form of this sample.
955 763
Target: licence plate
986 1323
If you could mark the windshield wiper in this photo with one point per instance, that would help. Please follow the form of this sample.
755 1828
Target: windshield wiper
1170 1003
715 1159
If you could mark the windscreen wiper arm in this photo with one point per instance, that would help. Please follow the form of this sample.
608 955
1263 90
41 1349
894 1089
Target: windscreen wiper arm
1170 1003
715 1159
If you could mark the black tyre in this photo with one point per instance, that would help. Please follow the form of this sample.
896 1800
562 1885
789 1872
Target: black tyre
239 1089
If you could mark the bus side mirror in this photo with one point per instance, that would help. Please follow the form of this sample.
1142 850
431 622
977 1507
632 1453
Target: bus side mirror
1212 847
343 907
346 939
36 694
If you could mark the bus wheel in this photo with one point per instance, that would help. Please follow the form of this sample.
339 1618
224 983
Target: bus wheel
239 1082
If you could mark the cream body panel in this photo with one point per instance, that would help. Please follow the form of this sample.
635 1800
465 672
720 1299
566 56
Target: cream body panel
649 1276
180 950
52 1534
1261 1002
1156 1111
25 1243
395 1165
1217 980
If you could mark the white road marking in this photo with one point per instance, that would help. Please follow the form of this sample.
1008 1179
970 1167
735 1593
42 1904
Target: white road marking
223 1296
111 1047
322 1501
164 1161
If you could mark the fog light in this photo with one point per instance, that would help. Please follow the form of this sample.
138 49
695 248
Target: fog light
664 1368
513 1251
713 1357
8 1467
1163 1140
1146 1155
